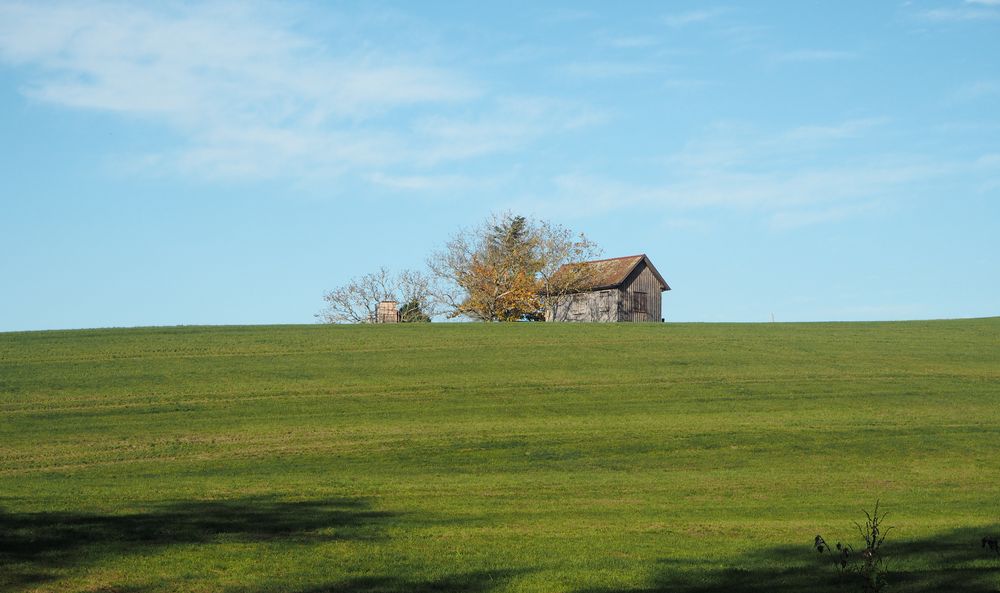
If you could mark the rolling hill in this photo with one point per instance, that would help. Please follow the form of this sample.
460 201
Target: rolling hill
516 457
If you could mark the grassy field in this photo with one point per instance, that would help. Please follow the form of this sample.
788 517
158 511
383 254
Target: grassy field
522 457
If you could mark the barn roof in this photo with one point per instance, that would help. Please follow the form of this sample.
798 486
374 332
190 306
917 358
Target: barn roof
613 272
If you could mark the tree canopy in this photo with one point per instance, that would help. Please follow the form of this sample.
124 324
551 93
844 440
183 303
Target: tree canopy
508 268
357 301
505 269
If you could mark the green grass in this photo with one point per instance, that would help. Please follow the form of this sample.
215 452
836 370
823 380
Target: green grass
522 457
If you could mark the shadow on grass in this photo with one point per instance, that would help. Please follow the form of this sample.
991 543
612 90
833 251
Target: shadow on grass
953 561
468 582
34 546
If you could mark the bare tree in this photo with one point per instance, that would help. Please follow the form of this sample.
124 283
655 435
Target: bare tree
508 268
561 276
416 293
357 301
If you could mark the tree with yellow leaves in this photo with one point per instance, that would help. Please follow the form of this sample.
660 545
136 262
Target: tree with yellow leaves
504 270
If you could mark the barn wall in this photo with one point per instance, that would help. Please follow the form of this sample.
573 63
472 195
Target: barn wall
600 306
641 280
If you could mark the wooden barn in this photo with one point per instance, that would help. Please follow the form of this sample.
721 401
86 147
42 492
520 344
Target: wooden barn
611 290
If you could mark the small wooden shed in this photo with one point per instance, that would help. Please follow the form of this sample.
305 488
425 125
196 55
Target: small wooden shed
617 289
387 312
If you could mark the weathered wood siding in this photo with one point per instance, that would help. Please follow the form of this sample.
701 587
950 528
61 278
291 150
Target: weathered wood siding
640 286
599 306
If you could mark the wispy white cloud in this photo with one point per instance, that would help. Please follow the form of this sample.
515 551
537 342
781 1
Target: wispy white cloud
512 122
569 15
974 10
786 179
426 183
252 95
815 55
978 90
631 41
521 53
792 219
684 223
769 192
686 84
812 134
989 161
681 19
745 37
206 58
598 70
728 145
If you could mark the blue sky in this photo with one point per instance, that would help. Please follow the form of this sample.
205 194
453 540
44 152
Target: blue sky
219 163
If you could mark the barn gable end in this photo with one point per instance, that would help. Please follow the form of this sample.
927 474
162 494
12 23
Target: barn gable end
640 297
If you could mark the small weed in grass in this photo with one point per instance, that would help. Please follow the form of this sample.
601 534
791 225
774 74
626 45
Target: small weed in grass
869 564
